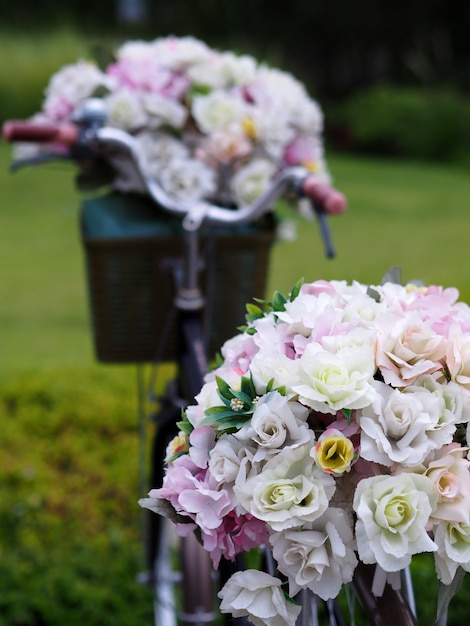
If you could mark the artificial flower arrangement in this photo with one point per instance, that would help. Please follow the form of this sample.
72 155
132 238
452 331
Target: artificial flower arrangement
334 430
208 125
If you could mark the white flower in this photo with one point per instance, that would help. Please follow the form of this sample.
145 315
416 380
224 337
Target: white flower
158 150
179 52
258 596
453 549
276 423
187 180
450 473
302 314
330 382
218 111
125 110
252 180
319 556
407 348
163 111
392 516
289 490
230 460
269 365
458 358
404 426
71 85
273 130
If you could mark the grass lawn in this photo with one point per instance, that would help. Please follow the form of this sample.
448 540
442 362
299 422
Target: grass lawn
69 522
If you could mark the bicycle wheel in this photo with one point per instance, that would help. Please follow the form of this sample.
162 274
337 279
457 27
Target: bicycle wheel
183 593
182 573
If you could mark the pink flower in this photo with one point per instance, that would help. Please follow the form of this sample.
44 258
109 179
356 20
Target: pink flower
407 348
206 505
236 534
181 475
304 150
450 473
202 440
148 75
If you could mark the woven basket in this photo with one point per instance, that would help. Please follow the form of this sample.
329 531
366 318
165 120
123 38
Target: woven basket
128 244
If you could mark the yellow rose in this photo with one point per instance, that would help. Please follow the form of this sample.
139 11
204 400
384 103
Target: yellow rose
334 452
177 446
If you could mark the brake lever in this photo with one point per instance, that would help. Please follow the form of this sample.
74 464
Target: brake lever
38 159
325 231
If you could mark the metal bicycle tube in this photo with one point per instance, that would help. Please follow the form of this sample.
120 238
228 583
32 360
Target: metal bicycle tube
390 609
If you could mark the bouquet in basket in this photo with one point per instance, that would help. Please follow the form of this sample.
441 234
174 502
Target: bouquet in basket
334 431
207 124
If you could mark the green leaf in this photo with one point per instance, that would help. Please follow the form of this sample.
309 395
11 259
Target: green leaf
279 301
245 398
185 425
224 388
347 413
248 386
296 289
254 310
266 303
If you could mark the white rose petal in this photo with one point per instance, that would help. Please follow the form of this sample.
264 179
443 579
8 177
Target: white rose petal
334 381
258 596
289 490
319 556
392 516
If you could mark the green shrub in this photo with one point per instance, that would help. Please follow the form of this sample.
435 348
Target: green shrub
28 61
410 122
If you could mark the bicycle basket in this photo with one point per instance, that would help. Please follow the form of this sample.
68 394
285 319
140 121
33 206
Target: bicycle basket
127 244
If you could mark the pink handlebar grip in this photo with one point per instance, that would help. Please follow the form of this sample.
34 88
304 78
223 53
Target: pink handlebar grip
35 132
329 199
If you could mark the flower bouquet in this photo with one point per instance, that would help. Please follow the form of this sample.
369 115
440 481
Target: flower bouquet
334 431
208 125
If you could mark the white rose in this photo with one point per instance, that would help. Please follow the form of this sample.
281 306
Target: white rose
407 348
157 150
163 111
258 596
238 70
218 111
276 423
289 490
251 180
319 556
302 314
331 382
458 359
125 110
75 83
181 52
273 130
188 180
404 426
230 460
270 365
453 549
392 516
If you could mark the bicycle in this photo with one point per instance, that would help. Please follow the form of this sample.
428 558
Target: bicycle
91 139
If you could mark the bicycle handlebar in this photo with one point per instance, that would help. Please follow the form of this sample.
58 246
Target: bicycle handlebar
19 130
99 138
